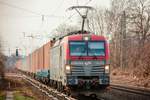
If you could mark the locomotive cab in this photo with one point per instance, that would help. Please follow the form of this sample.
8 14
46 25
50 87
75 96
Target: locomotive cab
80 60
88 64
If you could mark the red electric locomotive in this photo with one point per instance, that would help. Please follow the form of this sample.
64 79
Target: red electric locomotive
79 60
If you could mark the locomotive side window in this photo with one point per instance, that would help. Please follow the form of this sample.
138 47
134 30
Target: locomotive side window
78 49
96 49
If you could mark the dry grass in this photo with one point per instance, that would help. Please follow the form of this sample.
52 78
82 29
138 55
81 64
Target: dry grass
2 95
138 66
18 95
126 77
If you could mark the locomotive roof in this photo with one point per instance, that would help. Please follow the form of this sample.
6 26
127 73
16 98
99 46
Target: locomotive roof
77 36
81 35
77 33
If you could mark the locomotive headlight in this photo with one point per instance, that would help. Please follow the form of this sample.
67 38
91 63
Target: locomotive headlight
86 38
68 68
107 69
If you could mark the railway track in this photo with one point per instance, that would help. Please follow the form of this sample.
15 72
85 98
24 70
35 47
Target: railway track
52 93
138 91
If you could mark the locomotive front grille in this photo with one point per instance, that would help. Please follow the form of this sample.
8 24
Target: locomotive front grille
87 70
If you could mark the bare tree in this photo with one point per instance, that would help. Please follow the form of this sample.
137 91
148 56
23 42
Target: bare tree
64 29
1 64
137 34
96 21
140 19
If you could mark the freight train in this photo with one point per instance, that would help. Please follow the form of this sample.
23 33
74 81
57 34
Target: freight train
77 60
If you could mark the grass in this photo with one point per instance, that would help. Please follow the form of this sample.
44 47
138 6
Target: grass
2 95
19 96
21 90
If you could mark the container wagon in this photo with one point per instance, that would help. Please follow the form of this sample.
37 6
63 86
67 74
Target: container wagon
72 61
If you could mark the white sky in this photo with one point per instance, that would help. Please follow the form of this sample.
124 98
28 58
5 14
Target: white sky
25 16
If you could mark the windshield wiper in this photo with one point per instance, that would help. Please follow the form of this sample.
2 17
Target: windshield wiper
93 54
95 57
83 51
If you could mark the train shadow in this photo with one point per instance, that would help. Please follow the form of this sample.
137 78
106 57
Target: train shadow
88 94
84 97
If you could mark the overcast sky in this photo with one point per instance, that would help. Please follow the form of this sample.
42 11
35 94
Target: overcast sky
25 16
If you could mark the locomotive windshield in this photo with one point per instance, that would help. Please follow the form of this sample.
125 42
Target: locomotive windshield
96 49
78 49
87 48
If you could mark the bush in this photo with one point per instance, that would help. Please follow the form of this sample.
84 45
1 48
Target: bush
1 65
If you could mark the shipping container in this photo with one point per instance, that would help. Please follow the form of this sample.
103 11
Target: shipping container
46 56
41 62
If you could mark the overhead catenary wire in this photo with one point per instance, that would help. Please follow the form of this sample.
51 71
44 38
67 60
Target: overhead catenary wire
52 14
39 14
77 3
34 14
68 18
87 2
31 12
20 8
28 11
60 4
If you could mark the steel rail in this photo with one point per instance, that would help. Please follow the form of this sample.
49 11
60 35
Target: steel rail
52 93
134 90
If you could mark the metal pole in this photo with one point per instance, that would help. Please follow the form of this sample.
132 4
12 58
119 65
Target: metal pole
84 17
124 40
9 51
123 61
